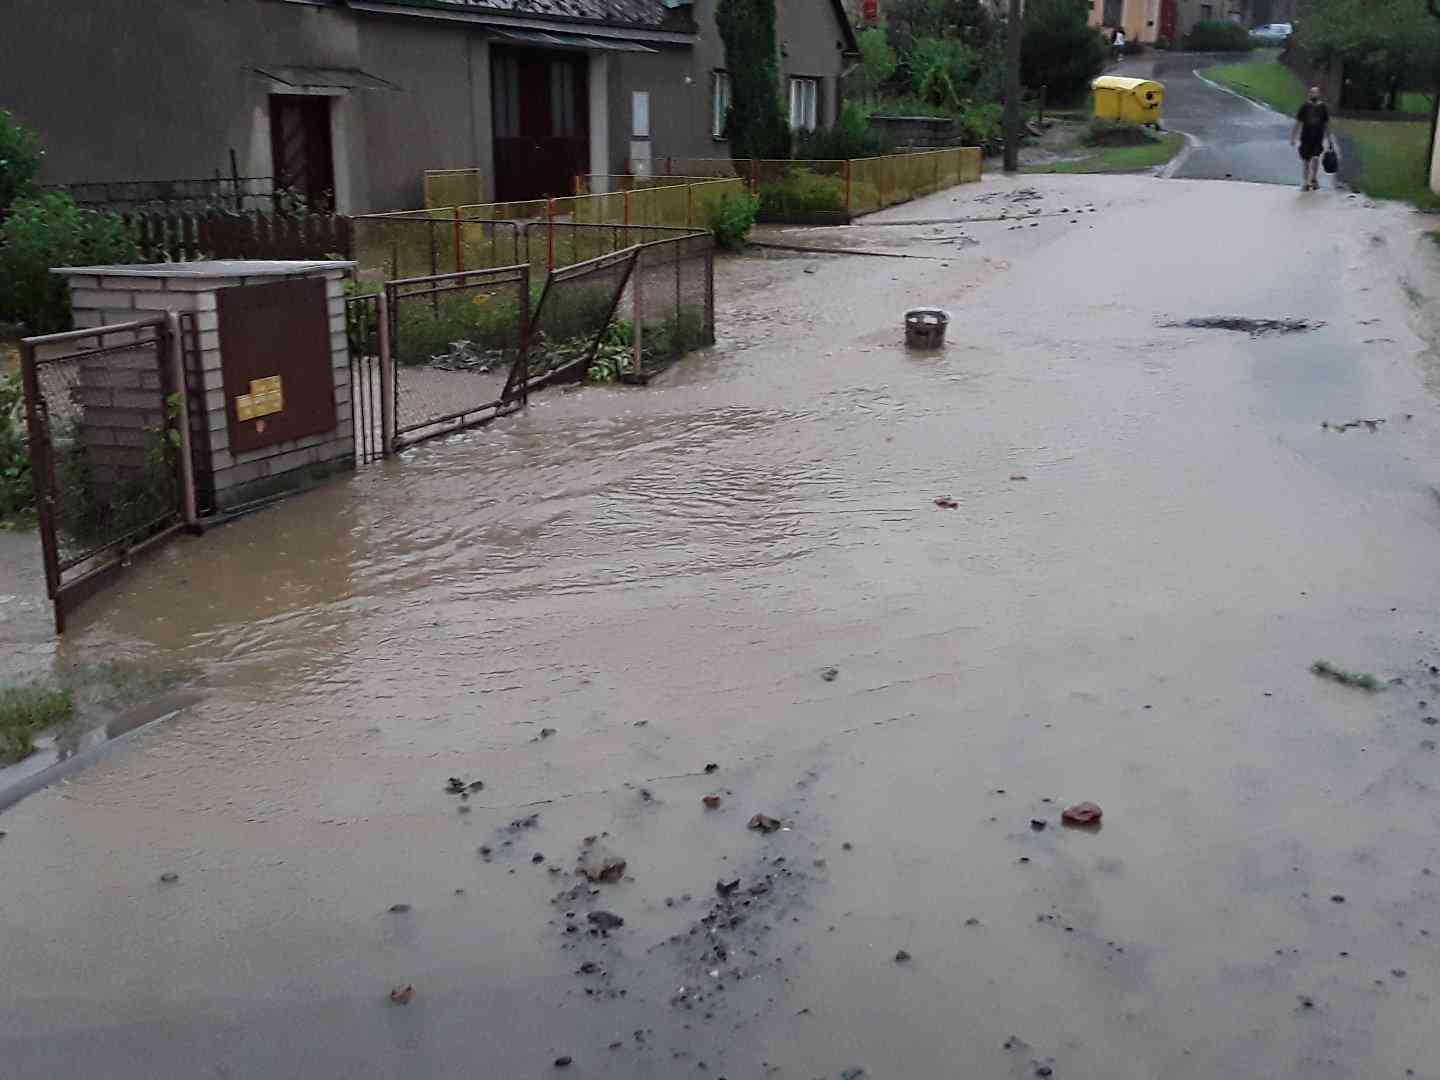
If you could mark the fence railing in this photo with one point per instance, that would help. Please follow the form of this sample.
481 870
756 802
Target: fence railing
109 445
233 193
177 236
672 302
841 189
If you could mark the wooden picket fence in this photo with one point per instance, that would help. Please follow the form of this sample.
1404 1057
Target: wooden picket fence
171 236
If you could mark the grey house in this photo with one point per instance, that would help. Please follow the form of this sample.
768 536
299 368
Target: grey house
356 98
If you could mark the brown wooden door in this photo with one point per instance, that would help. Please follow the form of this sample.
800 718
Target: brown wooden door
542 122
301 149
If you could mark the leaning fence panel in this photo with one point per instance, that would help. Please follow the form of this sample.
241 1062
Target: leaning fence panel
362 329
106 418
456 344
671 307
573 319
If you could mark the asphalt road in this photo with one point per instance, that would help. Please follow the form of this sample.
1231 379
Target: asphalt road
621 601
1232 138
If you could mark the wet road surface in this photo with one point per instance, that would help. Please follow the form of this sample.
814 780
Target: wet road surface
1233 138
586 605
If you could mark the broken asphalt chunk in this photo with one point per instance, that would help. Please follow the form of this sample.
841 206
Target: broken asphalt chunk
764 823
1082 814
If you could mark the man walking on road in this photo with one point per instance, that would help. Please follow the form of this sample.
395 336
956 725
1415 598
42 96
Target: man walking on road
1312 125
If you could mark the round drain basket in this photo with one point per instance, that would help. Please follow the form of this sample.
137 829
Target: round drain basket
925 328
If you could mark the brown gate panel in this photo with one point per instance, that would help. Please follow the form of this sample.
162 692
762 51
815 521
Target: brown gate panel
275 356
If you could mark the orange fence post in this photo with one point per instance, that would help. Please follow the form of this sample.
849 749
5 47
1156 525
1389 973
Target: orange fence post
550 233
459 251
579 185
849 188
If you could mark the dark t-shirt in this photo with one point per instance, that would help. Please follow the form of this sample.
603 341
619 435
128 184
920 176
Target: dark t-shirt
1314 119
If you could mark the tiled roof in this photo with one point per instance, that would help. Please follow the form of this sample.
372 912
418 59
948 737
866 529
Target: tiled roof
645 13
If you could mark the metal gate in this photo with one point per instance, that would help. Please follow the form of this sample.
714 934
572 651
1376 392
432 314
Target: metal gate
369 399
109 449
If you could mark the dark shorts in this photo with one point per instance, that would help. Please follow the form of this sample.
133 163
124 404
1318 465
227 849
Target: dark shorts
1311 146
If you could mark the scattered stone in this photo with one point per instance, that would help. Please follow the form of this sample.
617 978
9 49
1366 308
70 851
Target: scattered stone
459 892
605 920
1044 1070
616 1045
711 802
399 909
1018 476
1432 721
830 674
1306 1002
1253 327
947 503
402 995
1082 814
646 795
589 967
546 732
1399 973
725 888
1337 899
1015 1043
856 1073
760 888
712 767
564 1061
527 822
902 957
477 785
537 858
809 269
455 785
1037 824
601 867
972 921
847 846
764 823
484 850
169 877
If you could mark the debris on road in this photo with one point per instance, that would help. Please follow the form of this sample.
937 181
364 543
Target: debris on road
1254 327
399 909
605 920
1327 670
529 821
725 888
1373 425
1082 814
902 957
712 802
711 767
830 674
599 867
564 1061
764 823
1337 899
947 503
1018 476
546 732
169 877
455 786
1037 824
402 995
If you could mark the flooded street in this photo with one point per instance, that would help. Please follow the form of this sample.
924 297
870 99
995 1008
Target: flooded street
586 605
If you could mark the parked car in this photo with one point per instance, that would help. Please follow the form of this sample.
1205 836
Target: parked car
1272 33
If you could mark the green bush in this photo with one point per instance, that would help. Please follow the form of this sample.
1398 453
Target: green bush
26 711
1117 133
802 191
851 137
1218 35
20 156
756 126
426 328
51 230
941 70
1060 49
16 494
982 124
731 218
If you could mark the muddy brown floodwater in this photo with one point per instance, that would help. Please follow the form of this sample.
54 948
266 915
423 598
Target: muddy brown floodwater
586 606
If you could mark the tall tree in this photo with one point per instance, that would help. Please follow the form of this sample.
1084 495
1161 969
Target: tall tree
756 126
1390 42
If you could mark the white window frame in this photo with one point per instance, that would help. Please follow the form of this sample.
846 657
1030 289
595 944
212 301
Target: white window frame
640 114
804 103
719 102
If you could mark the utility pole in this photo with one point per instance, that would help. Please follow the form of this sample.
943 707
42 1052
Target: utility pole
1016 28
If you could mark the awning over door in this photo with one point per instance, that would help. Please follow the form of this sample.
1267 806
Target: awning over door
328 78
554 40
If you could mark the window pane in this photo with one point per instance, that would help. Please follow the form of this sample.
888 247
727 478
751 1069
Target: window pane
640 114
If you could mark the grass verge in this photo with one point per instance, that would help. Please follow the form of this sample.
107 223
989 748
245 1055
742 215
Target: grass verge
1120 159
1393 156
24 712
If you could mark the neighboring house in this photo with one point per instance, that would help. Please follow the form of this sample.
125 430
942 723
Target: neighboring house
354 99
1149 21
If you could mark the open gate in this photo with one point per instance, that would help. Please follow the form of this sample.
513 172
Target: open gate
109 449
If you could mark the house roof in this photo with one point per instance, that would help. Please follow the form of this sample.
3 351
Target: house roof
652 14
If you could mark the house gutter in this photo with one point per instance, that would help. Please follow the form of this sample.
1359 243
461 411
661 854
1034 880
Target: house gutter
441 11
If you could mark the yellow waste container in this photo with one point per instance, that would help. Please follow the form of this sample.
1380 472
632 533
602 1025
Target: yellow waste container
1135 101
